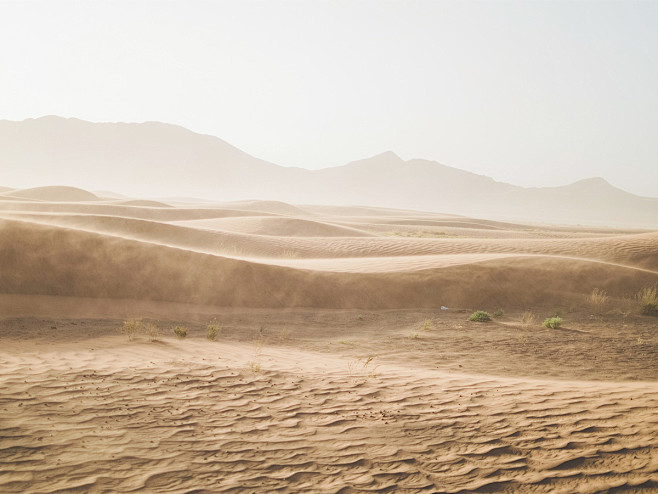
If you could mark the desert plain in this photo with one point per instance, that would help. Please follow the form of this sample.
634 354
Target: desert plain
342 358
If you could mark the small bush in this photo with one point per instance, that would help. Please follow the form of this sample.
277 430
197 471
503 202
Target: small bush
499 313
131 327
480 316
213 331
648 300
427 325
180 332
553 322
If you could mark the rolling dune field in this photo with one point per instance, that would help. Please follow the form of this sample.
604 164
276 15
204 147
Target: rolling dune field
344 359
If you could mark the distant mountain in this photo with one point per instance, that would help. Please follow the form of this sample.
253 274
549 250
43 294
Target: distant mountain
156 159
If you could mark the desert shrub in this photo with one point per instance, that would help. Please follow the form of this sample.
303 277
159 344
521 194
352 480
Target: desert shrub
499 313
598 299
152 331
648 300
527 319
131 327
552 322
213 331
180 332
427 325
480 316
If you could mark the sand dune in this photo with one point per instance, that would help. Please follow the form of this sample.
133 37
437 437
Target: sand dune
287 400
232 257
53 193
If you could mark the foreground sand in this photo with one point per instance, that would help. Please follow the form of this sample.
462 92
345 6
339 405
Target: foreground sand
336 369
288 402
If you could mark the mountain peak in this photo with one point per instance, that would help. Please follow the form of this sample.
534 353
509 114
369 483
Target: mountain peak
387 156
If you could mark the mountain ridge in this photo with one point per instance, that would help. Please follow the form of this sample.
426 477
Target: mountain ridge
162 159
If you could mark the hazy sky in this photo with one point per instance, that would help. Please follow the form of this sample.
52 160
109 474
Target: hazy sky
531 93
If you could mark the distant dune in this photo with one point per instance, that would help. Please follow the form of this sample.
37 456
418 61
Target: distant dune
169 161
53 194
227 256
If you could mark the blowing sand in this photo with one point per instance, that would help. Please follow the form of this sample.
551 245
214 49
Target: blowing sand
335 370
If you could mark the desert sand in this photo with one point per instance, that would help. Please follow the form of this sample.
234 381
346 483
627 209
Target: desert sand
345 361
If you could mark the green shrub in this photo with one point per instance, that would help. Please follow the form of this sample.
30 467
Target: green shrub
499 313
648 300
213 331
553 322
480 316
180 332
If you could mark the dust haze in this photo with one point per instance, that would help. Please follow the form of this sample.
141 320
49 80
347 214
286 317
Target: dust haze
328 247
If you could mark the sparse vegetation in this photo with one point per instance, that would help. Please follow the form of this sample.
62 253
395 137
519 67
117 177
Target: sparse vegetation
648 300
527 319
413 335
499 313
419 234
255 367
131 327
480 316
152 331
598 299
553 322
212 331
427 325
284 335
180 332
364 364
290 254
134 327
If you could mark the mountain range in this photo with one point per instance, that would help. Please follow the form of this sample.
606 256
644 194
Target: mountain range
162 160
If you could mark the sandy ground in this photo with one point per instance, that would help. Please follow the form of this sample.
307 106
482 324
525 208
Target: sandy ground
335 370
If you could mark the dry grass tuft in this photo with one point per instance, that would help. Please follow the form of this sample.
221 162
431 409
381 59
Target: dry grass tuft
152 332
648 300
527 319
597 299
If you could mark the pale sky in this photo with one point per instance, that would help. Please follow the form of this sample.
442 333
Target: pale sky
530 93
